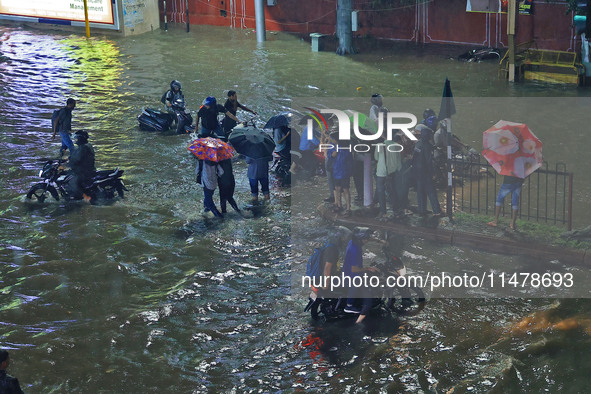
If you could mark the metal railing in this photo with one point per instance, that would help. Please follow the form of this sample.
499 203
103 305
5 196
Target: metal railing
546 195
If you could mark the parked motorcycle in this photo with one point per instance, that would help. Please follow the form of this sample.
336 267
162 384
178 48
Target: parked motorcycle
105 185
407 300
154 120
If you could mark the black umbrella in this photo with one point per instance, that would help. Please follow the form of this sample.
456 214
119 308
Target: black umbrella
278 121
252 142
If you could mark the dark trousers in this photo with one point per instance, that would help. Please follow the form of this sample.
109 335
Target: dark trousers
426 189
227 196
208 203
358 177
254 186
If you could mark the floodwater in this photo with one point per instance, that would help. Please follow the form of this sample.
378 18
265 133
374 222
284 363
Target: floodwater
145 295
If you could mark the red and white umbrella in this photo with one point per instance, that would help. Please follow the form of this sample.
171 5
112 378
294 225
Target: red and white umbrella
512 149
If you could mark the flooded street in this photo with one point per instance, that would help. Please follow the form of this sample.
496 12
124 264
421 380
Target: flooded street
145 295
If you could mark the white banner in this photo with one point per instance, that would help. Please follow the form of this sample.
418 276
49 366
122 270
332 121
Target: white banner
99 11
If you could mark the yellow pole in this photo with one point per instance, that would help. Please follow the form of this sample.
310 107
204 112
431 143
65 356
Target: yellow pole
86 18
511 22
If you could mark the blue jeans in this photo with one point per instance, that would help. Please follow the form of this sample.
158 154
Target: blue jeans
514 189
254 186
426 189
66 141
208 203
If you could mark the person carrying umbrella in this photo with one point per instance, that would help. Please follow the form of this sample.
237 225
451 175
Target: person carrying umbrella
511 184
515 152
258 172
210 152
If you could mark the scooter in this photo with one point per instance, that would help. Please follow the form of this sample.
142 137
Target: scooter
105 185
155 120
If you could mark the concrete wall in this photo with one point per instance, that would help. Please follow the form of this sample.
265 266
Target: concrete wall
138 16
436 21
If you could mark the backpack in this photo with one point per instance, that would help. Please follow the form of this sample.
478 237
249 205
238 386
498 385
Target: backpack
54 117
315 266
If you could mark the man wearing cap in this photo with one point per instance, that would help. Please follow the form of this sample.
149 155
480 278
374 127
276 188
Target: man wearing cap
208 113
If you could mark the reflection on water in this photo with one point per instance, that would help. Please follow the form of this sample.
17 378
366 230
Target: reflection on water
147 295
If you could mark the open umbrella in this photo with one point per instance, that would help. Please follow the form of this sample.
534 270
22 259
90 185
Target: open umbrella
282 119
211 149
252 142
512 149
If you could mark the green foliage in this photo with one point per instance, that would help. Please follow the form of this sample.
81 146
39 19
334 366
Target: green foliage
572 6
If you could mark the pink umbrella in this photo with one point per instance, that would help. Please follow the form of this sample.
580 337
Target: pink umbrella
512 149
211 149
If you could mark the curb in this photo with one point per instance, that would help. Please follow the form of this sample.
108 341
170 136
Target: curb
476 241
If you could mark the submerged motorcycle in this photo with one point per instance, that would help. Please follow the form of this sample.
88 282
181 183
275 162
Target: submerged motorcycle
156 120
404 300
105 185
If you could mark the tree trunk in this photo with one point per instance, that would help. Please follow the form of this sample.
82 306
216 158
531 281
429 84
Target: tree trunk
344 32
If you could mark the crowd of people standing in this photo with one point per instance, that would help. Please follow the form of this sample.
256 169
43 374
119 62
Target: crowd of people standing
395 169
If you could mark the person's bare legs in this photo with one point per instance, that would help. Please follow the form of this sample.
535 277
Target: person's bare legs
337 197
347 194
496 219
513 225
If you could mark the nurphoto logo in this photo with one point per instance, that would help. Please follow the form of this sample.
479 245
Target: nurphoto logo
391 123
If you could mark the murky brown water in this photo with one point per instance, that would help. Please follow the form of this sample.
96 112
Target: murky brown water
145 295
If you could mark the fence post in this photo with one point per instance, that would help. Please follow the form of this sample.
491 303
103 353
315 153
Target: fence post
569 222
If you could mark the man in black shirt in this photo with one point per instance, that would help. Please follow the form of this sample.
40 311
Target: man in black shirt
8 384
232 106
81 163
208 113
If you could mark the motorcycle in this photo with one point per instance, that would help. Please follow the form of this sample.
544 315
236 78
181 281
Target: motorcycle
281 165
105 184
407 300
155 120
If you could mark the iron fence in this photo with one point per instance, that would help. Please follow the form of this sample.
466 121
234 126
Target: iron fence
546 195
